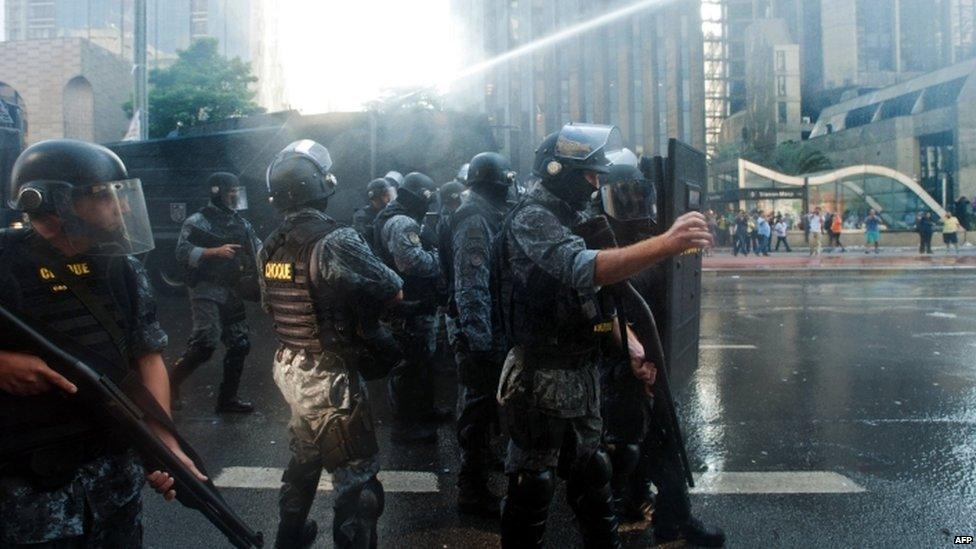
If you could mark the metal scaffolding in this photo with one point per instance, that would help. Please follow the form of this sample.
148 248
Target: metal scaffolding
716 61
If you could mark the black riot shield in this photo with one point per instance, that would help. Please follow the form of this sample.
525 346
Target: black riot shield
675 295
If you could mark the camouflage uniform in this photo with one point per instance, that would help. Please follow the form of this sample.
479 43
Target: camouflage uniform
480 344
362 221
217 309
99 504
410 383
321 387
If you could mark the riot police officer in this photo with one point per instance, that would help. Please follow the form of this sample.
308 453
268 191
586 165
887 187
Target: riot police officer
73 484
636 431
398 231
477 334
379 192
394 178
316 278
218 249
559 322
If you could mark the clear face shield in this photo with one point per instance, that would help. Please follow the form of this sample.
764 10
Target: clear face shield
631 198
309 149
234 198
108 219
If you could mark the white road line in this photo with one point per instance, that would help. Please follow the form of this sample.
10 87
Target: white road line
270 478
770 482
902 298
945 334
717 346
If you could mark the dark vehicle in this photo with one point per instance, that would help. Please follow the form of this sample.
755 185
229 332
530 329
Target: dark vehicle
13 128
363 145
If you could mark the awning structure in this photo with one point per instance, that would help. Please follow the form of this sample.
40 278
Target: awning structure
852 190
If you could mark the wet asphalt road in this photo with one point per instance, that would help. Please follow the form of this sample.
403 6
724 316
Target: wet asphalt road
872 378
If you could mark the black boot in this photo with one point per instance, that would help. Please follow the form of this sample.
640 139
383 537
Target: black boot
192 358
304 539
298 486
692 532
591 499
526 509
624 458
474 497
227 399
356 513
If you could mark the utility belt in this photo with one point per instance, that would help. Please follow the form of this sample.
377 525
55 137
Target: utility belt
558 358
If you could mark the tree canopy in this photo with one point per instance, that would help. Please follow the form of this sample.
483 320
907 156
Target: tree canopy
201 86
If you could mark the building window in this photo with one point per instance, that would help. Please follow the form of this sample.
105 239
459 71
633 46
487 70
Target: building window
782 112
781 61
781 86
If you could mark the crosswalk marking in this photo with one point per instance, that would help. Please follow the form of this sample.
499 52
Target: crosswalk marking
902 298
775 482
270 478
712 483
718 346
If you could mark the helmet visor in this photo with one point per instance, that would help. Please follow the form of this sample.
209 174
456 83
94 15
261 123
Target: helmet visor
588 145
632 199
106 219
234 198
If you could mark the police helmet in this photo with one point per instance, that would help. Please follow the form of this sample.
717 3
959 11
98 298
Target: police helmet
627 195
450 194
416 193
394 177
102 209
377 188
300 174
227 192
490 168
565 156
462 175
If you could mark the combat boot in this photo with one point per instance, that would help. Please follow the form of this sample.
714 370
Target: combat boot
304 540
227 399
692 532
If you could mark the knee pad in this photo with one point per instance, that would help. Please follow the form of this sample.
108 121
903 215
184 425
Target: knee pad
372 500
532 488
598 470
623 457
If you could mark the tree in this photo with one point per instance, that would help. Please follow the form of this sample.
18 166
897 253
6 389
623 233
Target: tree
201 86
793 158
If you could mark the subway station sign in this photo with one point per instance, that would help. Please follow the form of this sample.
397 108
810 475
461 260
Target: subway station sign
736 195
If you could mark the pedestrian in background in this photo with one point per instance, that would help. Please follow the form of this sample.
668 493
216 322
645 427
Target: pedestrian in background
781 228
950 226
741 235
836 227
763 230
753 235
925 228
828 225
815 226
872 231
723 231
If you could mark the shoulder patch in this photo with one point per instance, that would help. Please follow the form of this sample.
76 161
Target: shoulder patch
476 259
414 238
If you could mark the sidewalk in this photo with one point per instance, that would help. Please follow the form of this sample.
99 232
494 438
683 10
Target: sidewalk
853 261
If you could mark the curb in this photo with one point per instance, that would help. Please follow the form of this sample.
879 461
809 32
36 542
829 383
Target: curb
811 272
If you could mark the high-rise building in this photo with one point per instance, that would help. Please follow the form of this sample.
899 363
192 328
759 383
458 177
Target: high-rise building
642 71
240 26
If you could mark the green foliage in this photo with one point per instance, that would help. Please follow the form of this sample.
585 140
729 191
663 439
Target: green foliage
201 86
793 158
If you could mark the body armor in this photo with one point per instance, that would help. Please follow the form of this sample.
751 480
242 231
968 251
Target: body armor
228 229
542 314
304 318
47 427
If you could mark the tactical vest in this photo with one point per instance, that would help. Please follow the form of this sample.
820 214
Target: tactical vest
230 230
49 420
415 288
304 318
469 209
541 313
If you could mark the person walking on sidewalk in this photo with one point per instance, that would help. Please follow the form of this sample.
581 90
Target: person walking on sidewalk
780 228
762 229
872 231
836 226
950 228
815 225
925 228
741 242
